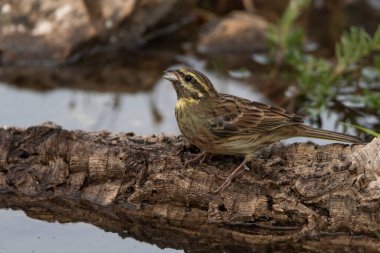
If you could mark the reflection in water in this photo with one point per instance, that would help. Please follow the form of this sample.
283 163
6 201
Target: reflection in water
157 115
142 113
88 111
21 234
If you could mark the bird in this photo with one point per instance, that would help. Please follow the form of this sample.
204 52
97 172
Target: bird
224 124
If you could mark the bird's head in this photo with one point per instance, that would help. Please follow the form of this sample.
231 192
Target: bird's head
190 83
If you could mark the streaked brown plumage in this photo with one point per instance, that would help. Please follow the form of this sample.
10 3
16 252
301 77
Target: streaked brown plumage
224 124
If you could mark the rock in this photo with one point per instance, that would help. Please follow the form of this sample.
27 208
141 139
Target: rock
238 32
45 33
88 44
42 32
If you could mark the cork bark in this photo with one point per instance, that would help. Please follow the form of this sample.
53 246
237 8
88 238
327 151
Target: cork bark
294 197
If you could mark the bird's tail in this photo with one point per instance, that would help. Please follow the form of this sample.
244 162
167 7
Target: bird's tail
307 131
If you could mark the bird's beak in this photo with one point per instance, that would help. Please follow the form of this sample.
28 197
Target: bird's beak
170 75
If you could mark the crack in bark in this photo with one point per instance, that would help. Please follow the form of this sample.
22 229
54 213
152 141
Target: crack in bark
303 189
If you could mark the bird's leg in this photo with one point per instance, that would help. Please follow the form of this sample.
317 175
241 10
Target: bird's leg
201 157
233 174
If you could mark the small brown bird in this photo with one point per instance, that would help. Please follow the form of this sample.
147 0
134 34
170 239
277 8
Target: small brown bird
224 124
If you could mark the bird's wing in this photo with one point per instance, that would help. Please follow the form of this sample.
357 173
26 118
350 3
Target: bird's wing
234 115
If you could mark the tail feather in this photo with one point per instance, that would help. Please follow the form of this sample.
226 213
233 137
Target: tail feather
311 132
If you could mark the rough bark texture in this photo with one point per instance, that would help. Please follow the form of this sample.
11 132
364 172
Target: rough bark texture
295 197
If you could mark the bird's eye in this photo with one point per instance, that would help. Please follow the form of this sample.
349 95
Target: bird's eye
188 78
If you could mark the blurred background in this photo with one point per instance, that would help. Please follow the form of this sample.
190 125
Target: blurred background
96 64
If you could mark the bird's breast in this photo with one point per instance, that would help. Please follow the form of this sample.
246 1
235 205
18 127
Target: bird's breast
191 119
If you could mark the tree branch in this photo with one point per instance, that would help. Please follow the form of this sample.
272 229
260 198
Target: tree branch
119 181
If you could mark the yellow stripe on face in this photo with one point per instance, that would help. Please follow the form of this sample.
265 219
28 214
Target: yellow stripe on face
201 82
195 84
191 88
198 77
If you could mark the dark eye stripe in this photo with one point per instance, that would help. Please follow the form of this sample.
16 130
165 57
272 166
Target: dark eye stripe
204 81
196 81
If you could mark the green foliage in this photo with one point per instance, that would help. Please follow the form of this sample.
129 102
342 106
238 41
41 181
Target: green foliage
354 46
364 129
322 81
312 79
376 61
285 37
353 56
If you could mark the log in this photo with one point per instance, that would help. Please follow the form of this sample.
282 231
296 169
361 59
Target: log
295 197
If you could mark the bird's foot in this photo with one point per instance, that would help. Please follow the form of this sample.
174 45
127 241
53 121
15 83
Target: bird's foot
201 157
235 173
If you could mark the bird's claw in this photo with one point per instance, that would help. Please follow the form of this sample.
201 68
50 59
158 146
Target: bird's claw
201 157
235 173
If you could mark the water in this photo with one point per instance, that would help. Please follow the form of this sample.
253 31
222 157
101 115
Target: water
19 233
142 113
93 111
